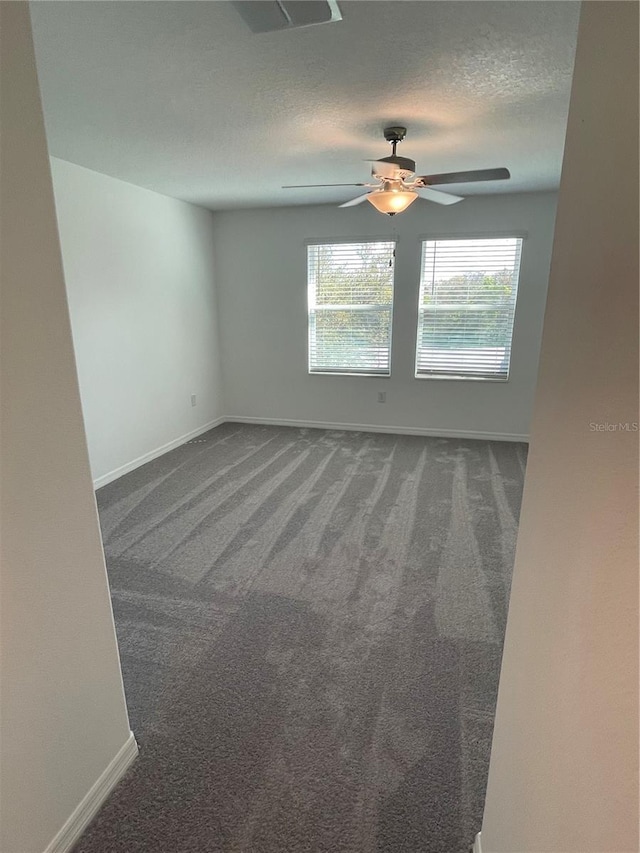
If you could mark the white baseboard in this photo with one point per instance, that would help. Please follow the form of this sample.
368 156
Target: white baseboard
153 454
90 804
400 430
477 846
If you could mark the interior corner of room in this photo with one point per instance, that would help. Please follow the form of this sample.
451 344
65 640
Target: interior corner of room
298 560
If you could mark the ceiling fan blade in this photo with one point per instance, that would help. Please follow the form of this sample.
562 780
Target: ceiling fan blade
438 197
466 177
354 201
305 186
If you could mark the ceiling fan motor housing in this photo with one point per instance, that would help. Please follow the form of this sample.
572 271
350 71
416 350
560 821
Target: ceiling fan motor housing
405 166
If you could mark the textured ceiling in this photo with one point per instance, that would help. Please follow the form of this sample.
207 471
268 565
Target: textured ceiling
182 98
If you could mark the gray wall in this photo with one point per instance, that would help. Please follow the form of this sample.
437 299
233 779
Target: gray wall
564 764
63 714
261 280
139 274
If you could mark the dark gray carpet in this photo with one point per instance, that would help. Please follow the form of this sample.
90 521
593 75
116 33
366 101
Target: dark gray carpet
310 625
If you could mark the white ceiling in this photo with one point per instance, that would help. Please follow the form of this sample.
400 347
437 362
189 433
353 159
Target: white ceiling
181 97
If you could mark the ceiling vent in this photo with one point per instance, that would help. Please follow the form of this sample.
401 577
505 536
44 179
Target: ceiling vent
264 16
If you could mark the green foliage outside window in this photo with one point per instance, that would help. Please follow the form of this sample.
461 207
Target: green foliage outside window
471 310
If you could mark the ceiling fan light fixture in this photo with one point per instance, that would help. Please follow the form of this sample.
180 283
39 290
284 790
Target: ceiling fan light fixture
391 201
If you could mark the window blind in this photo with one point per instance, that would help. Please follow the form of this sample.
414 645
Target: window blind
350 301
468 291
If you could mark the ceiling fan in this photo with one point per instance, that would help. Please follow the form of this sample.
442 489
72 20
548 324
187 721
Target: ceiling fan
395 184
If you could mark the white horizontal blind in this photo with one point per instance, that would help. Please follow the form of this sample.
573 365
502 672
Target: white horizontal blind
350 299
468 291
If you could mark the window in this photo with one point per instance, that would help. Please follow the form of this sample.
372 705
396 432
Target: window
468 292
350 293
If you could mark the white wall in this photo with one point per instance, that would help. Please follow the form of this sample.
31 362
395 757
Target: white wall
63 716
139 272
564 765
261 279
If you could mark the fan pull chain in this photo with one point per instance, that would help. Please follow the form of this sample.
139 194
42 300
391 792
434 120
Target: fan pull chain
394 240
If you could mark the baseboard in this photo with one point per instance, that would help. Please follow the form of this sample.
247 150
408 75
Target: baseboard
477 846
90 804
153 454
399 430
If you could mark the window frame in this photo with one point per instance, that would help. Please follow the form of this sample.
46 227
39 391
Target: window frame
467 235
332 241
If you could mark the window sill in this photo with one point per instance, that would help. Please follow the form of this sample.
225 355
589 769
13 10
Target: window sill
346 373
462 378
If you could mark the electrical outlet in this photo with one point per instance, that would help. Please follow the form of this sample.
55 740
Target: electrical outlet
382 396
193 399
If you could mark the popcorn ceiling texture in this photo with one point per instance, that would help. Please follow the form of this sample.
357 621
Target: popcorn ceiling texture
184 99
310 624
